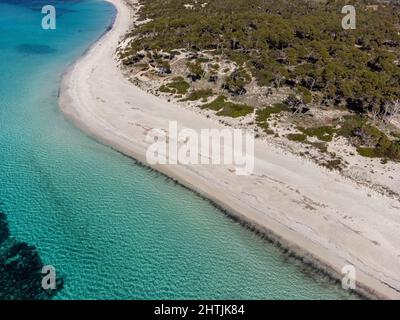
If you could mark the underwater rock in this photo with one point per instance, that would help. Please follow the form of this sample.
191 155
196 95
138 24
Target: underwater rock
21 269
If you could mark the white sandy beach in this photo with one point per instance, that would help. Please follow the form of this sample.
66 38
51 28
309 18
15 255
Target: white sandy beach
319 214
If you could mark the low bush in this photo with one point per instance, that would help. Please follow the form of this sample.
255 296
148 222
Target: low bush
227 108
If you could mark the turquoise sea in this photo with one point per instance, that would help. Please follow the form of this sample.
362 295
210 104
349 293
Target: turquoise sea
111 227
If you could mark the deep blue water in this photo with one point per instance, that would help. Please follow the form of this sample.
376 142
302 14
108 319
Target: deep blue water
112 228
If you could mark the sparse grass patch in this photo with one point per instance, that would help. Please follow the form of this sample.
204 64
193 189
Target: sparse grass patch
143 66
373 143
368 152
235 83
321 146
298 137
174 53
177 86
216 105
203 59
349 124
199 94
369 140
235 110
263 115
227 108
324 133
166 89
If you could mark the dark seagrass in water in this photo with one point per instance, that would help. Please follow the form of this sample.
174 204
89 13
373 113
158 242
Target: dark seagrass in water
20 268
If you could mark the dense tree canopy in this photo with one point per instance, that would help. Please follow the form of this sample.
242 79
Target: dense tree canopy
284 42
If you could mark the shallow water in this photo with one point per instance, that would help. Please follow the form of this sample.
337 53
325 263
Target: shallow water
112 228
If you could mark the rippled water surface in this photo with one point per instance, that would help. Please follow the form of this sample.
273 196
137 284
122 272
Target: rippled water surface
112 228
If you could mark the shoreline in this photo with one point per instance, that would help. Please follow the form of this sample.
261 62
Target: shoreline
122 127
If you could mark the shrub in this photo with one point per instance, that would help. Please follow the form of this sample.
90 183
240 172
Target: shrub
236 82
195 70
324 133
199 94
235 110
306 94
262 115
227 108
373 143
368 152
177 86
299 137
349 124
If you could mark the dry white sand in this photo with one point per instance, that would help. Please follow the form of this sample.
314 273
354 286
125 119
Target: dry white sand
317 213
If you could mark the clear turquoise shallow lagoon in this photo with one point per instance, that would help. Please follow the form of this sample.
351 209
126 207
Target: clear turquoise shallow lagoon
113 229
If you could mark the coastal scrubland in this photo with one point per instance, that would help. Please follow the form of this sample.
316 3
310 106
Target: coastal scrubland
281 62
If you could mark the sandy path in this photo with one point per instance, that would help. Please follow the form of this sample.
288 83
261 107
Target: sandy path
316 213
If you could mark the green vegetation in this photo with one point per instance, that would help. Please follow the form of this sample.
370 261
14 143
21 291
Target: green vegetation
266 113
369 140
324 133
263 115
298 137
203 59
164 67
21 269
195 70
305 94
367 152
199 94
236 82
350 124
227 108
166 89
299 44
177 86
378 145
321 146
215 105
